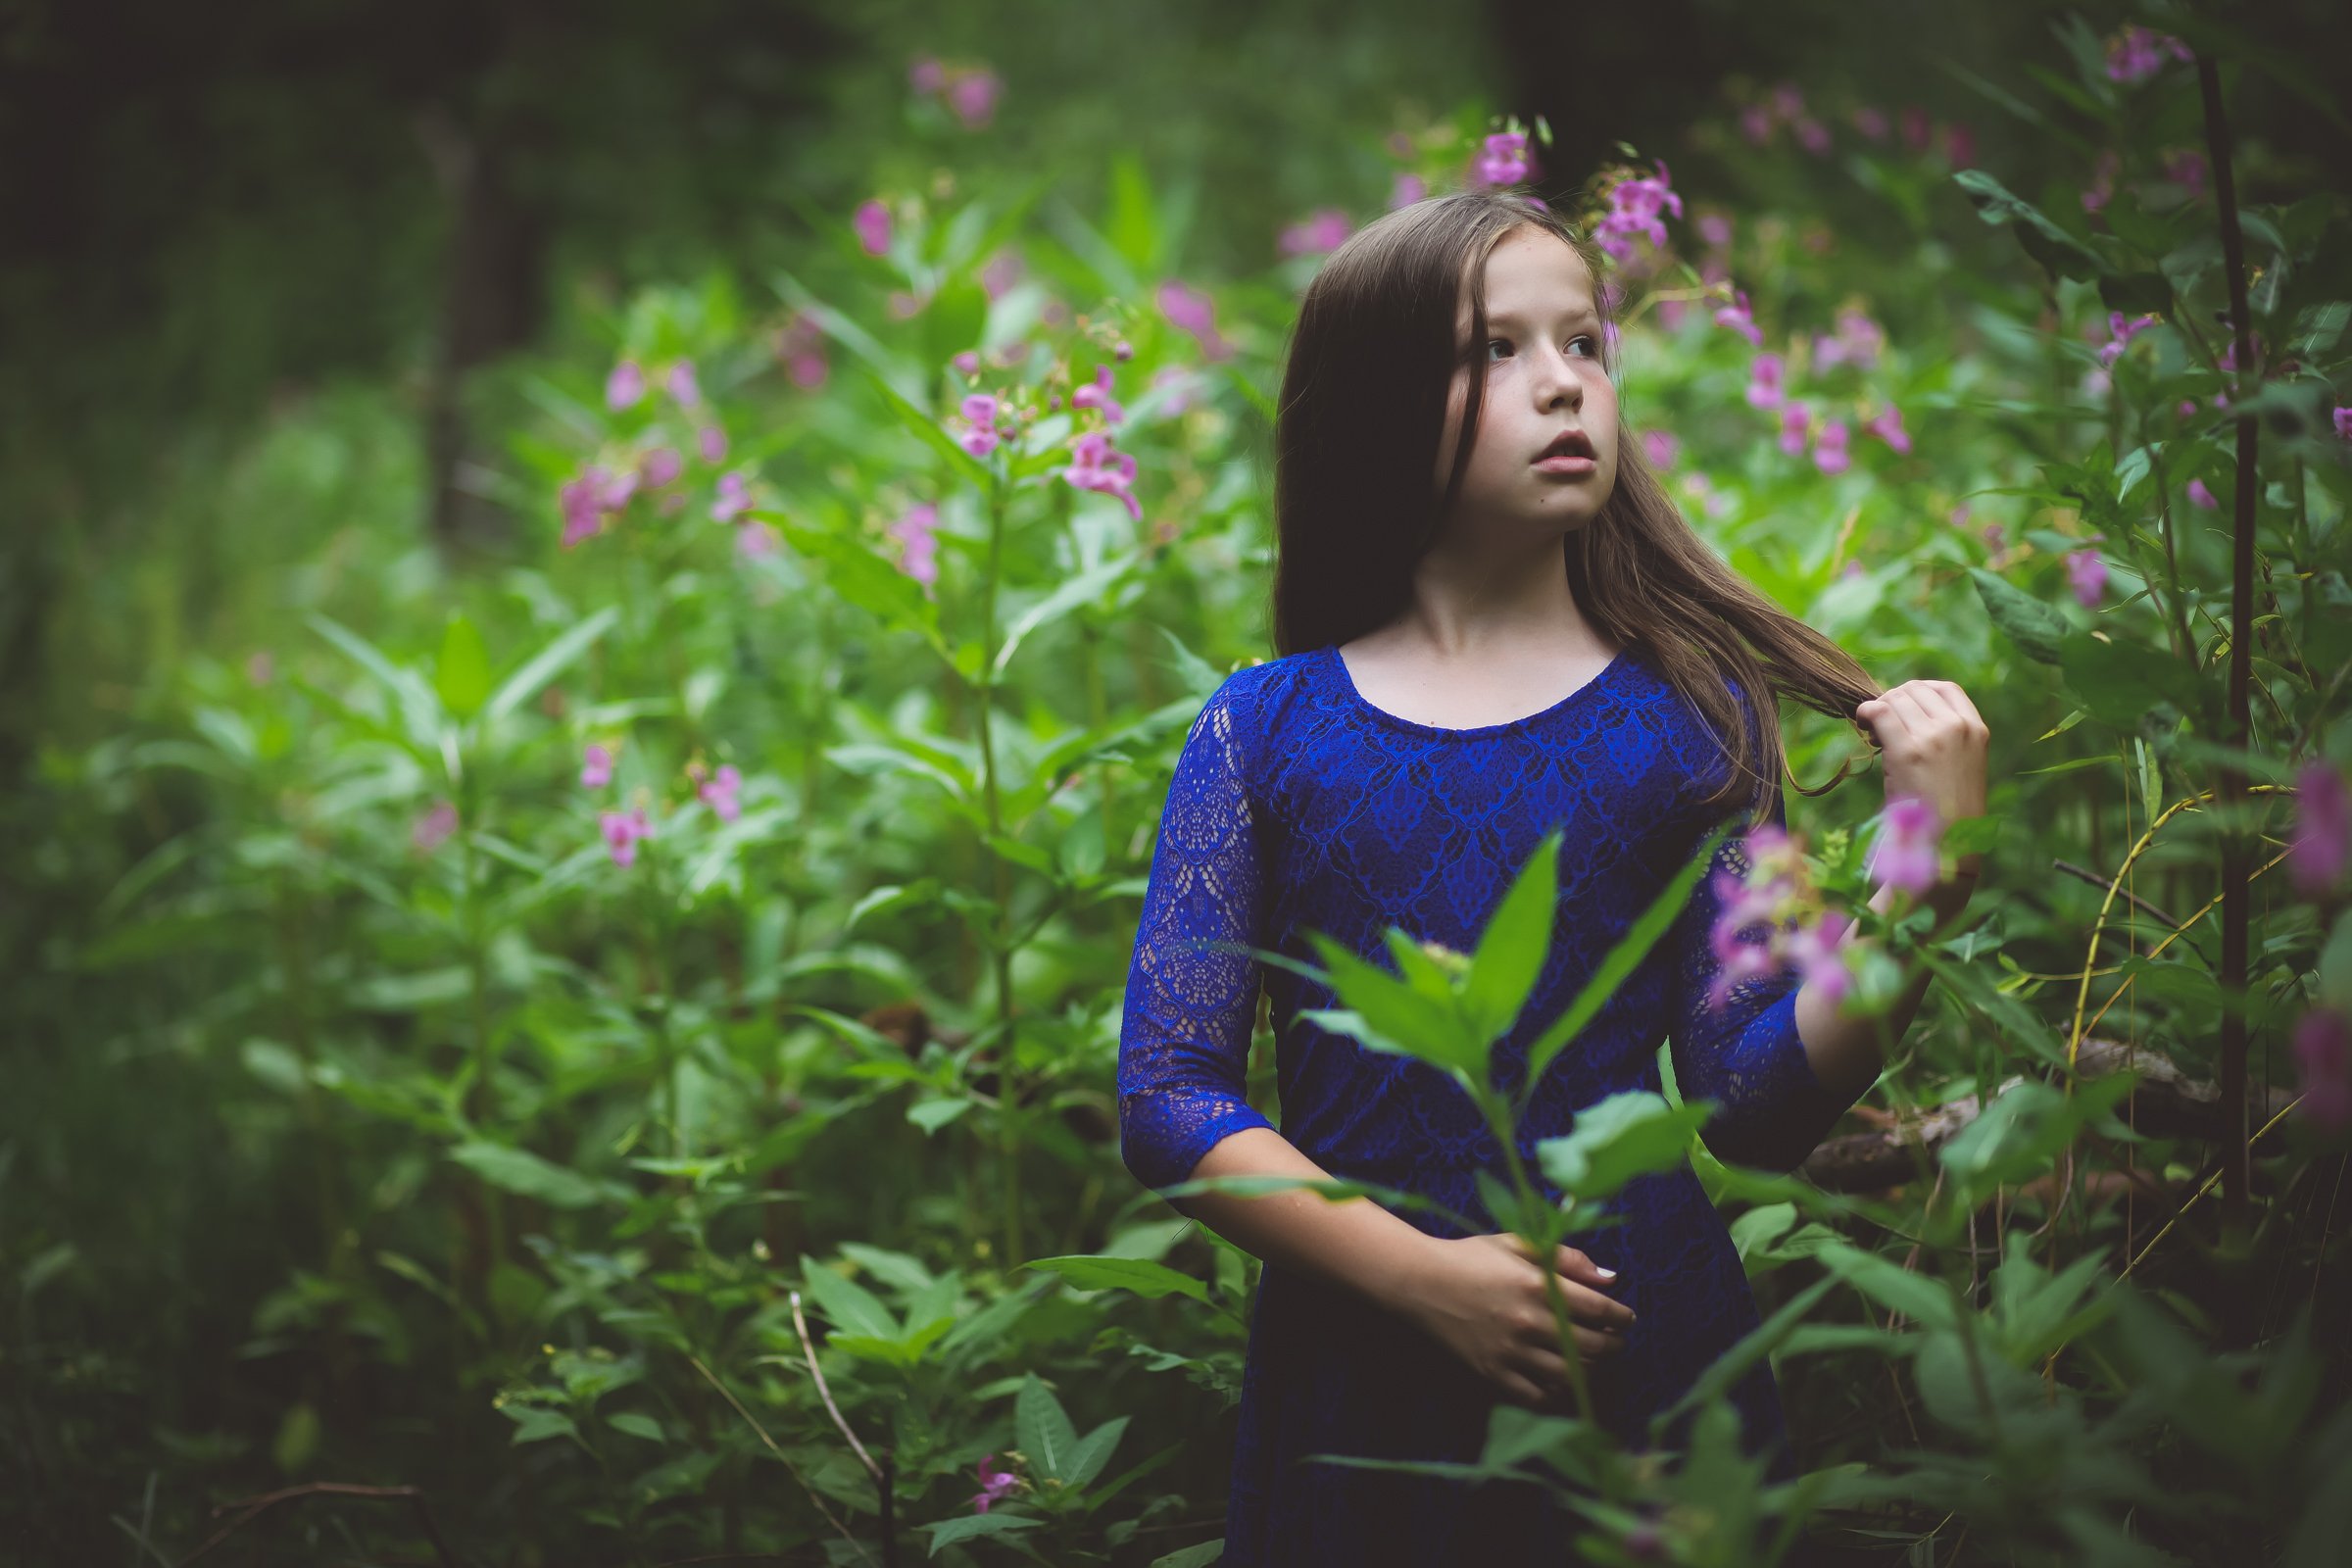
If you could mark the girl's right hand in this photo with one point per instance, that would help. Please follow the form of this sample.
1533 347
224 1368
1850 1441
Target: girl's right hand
1483 1298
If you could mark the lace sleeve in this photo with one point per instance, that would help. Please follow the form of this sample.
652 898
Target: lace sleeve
1744 1053
1184 1037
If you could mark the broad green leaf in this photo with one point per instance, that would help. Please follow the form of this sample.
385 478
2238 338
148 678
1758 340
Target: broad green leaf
637 1426
1925 1299
1087 1272
520 1171
853 1308
536 1422
462 676
1043 1429
977 1527
1388 1015
1614 1140
1623 958
866 579
2121 682
2054 247
1515 943
2033 626
1094 1451
933 1114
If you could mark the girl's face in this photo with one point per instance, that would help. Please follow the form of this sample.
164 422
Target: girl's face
1543 379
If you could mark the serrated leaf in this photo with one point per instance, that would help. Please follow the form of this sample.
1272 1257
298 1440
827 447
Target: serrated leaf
852 1307
2033 626
1043 1428
1094 1451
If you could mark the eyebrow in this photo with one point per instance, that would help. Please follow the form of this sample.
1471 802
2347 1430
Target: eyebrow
1512 319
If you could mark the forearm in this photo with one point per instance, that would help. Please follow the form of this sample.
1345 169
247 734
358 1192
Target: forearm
1354 1243
1848 1051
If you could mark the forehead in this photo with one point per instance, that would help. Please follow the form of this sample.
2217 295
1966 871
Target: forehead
1533 274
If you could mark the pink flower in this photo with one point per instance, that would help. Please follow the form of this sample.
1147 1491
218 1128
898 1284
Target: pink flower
622 831
1633 208
1094 465
661 466
2315 860
973 97
1755 124
1859 341
871 221
614 491
1502 160
926 74
800 347
1407 189
1871 123
624 386
719 792
2121 333
2087 574
433 828
2343 425
683 388
2135 54
2324 1061
583 511
1887 427
1180 381
1716 230
1322 230
757 540
734 497
918 549
968 363
1904 855
1915 128
2200 495
1004 270
1097 395
1661 447
595 768
711 442
1959 145
1817 953
2101 190
994 1483
1192 310
978 418
2229 360
1829 453
1738 317
2186 168
1794 423
1765 386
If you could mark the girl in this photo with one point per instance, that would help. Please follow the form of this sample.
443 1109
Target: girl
1490 621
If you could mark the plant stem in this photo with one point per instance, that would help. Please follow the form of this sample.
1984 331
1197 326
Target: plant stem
1499 1118
983 690
2241 639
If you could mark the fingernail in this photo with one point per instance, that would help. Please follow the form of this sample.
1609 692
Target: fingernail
1606 1273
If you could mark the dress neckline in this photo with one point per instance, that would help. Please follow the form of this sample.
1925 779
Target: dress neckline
1337 666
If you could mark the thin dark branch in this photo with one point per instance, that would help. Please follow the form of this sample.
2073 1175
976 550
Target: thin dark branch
793 1470
251 1508
2105 886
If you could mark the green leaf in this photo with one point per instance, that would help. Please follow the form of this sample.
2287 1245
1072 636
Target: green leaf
462 677
1043 1429
1627 953
1884 1281
1094 1451
2033 626
1386 1014
546 665
2121 682
2137 293
866 579
2020 1133
933 1114
536 1422
2057 250
976 1527
852 1307
1515 943
1614 1140
637 1426
520 1171
1090 1272
1086 588
1201 1557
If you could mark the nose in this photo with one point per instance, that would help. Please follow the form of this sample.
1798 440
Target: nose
1559 385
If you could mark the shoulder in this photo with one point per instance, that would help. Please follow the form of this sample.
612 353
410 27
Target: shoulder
1693 735
1256 698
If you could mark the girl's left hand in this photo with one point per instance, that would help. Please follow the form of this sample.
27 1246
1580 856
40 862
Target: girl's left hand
1931 745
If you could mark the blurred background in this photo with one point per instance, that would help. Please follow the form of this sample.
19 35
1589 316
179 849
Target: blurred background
296 298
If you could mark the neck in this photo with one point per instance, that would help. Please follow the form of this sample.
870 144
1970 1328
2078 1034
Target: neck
1476 596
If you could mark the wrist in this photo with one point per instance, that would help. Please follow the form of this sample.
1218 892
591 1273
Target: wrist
1400 1285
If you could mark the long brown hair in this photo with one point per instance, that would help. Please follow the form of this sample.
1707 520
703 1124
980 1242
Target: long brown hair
1358 431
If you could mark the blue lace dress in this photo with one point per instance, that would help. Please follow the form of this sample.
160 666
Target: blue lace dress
1298 805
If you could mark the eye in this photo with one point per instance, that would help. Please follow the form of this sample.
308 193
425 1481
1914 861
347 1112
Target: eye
1592 348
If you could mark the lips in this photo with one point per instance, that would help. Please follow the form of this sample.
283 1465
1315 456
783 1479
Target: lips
1569 444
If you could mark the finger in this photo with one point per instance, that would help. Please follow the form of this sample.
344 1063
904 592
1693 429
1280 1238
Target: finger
1593 1344
1576 1265
1548 1369
1519 1390
1907 720
1967 708
1588 1305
